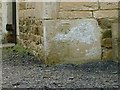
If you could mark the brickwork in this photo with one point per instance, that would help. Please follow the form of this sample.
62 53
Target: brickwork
34 16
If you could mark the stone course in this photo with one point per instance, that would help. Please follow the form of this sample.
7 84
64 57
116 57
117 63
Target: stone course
109 5
0 21
73 6
75 14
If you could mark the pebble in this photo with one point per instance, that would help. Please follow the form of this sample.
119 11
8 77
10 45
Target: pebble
64 75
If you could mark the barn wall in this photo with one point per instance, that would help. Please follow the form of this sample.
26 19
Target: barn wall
55 32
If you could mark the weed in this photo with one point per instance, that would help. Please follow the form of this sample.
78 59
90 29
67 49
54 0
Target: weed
18 48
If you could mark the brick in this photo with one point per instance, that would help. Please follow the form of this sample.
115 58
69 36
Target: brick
79 5
109 5
106 14
75 14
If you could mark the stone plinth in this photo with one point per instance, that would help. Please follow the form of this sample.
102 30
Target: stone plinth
72 41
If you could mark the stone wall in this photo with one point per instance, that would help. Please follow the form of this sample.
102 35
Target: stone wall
53 31
0 15
31 28
0 21
105 13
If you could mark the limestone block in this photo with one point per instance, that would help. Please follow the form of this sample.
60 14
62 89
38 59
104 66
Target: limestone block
109 5
72 41
0 5
106 14
74 14
22 6
78 6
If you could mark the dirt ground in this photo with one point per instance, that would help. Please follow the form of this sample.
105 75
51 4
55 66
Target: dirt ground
23 70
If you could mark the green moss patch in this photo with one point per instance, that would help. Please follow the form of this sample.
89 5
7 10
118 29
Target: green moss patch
18 48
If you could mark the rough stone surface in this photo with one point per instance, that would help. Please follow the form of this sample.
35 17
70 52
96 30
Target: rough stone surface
72 41
31 29
107 55
116 41
107 34
107 42
109 5
0 16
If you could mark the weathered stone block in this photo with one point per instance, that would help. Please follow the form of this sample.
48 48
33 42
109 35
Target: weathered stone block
109 5
106 14
107 42
79 5
107 34
74 14
32 37
72 41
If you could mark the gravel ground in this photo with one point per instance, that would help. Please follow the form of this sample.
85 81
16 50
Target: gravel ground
25 71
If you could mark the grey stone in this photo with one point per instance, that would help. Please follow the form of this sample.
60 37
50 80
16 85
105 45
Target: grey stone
72 41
